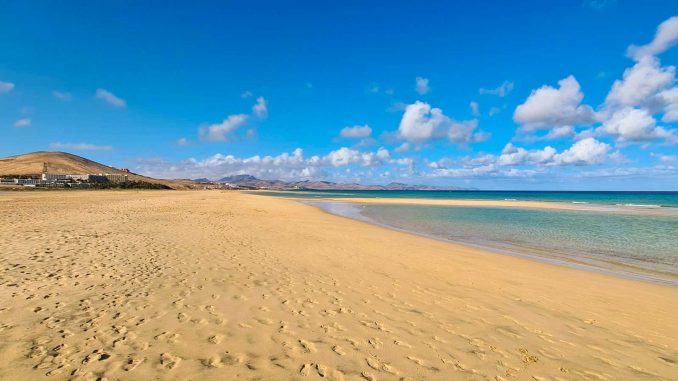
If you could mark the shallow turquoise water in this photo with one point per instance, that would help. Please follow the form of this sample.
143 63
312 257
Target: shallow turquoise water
635 245
601 239
610 234
665 199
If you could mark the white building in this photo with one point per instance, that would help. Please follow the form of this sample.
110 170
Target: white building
52 177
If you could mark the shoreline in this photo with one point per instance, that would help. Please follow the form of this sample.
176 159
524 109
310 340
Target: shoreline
217 285
553 205
610 267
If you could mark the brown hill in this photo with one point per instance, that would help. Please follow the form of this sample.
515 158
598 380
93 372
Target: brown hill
66 163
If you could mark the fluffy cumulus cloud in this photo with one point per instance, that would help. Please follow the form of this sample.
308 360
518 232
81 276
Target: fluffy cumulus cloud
223 132
647 91
512 155
665 37
422 123
501 90
549 107
286 166
347 156
641 84
110 98
584 152
634 125
6 87
421 85
356 132
80 146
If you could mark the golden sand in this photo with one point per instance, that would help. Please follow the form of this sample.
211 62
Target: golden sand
210 285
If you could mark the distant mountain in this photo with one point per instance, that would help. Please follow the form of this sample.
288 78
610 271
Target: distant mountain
248 181
33 164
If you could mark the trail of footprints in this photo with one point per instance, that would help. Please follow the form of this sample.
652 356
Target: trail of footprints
101 303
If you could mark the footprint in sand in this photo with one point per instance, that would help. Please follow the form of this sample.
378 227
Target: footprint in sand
305 369
308 346
233 358
169 337
416 360
377 364
402 344
213 362
132 362
215 339
169 361
339 350
375 343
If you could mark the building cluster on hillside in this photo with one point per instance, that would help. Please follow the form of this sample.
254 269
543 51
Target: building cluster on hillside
61 180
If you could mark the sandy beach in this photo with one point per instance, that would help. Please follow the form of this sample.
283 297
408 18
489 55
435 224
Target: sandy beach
215 285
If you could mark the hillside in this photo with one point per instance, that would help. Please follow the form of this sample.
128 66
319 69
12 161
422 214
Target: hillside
66 163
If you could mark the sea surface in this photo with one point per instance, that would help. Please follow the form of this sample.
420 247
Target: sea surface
616 239
647 199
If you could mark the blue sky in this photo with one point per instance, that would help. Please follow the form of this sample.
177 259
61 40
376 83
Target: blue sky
498 95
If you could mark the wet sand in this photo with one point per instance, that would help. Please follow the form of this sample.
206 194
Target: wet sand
210 285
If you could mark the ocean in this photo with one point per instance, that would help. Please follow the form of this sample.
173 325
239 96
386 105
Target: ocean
614 238
649 199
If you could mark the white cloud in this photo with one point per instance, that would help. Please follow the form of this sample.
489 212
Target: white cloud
347 156
285 166
484 171
512 155
641 83
25 122
493 111
183 142
222 132
421 123
584 152
246 94
501 91
666 158
343 156
633 125
6 87
80 146
110 98
260 109
548 107
559 133
422 85
225 131
665 37
62 95
669 98
356 131
475 108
